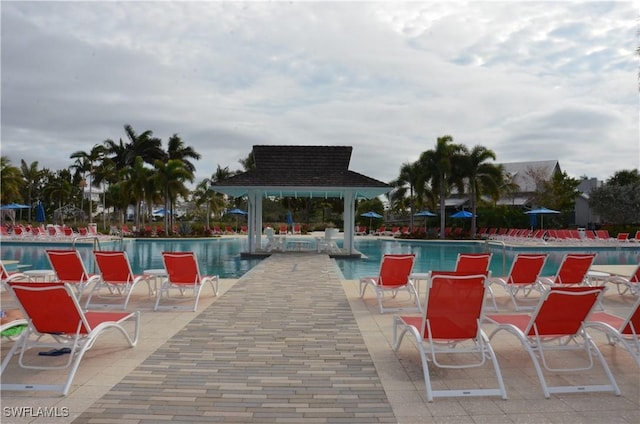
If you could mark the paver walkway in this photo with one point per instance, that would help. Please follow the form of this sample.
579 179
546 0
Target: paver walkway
282 345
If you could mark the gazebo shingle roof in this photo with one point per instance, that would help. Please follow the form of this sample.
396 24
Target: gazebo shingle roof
282 169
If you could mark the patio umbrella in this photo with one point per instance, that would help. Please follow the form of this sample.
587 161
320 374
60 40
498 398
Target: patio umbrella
158 212
462 214
40 216
371 215
290 220
426 214
13 207
542 211
237 212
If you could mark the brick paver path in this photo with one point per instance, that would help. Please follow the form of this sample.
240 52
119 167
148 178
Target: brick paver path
281 346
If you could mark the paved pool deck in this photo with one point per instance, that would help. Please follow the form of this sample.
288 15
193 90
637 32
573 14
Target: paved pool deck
292 342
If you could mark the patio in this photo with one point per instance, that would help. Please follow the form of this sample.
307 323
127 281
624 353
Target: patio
286 344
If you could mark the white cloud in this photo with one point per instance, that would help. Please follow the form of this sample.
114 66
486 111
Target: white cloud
530 80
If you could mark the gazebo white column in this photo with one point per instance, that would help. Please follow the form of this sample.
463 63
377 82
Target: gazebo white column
254 200
349 222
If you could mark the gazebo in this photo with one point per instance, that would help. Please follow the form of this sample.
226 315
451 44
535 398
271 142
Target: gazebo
301 171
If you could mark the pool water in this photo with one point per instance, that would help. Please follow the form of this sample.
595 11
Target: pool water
222 256
443 255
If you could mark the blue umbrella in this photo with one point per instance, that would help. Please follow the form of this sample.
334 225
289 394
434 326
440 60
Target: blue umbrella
462 214
289 218
237 212
370 215
426 214
159 212
40 216
542 211
14 206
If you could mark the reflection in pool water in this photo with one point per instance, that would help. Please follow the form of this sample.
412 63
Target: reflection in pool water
222 256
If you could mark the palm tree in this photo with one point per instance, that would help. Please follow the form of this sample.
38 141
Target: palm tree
12 181
177 150
105 174
409 178
482 177
135 179
144 145
31 175
509 187
170 177
116 152
59 188
441 167
205 196
85 163
248 163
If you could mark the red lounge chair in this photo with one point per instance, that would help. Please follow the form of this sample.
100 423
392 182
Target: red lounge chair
538 235
627 284
522 278
590 235
393 276
69 268
381 231
451 326
93 232
183 274
57 321
603 235
361 231
625 331
473 263
623 237
6 276
116 278
572 271
558 324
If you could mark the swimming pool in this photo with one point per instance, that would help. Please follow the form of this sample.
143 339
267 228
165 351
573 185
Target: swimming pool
222 256
442 255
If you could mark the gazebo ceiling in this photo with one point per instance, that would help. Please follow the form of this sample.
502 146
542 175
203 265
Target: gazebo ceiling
305 192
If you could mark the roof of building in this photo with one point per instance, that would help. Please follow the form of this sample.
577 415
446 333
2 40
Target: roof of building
525 174
302 171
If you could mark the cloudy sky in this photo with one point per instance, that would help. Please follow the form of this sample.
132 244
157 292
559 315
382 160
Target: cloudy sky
529 80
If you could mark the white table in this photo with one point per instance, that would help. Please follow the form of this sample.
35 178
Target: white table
38 275
416 277
155 274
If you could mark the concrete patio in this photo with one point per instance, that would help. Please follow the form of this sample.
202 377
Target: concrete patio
292 342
